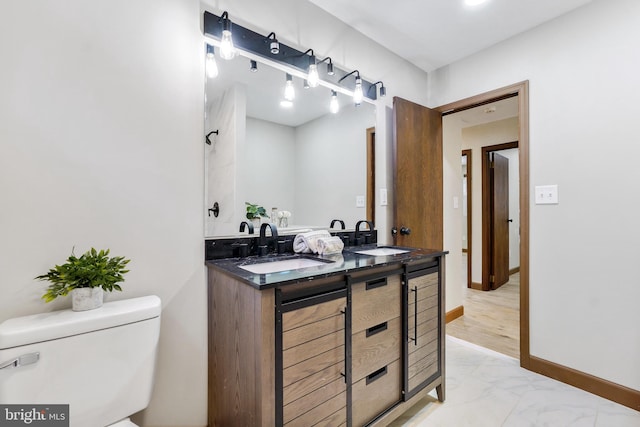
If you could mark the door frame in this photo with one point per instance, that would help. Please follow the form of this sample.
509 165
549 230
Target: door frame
521 90
371 175
486 203
468 154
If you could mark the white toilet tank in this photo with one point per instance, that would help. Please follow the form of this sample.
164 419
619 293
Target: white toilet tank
101 362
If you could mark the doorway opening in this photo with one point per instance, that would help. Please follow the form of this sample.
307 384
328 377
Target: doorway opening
520 91
500 222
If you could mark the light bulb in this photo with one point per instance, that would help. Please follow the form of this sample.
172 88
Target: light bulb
289 90
313 77
334 106
210 63
227 49
357 92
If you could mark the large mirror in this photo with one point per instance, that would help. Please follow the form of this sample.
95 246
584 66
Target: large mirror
301 158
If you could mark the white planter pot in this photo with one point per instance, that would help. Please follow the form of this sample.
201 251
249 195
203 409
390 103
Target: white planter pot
83 299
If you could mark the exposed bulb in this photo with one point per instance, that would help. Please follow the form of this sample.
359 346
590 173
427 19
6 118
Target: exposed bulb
357 92
211 65
227 49
289 90
313 78
334 106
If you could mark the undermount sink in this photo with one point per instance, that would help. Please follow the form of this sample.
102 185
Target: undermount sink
288 264
382 251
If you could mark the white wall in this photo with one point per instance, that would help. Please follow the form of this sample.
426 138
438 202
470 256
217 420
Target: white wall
270 154
583 281
101 144
331 167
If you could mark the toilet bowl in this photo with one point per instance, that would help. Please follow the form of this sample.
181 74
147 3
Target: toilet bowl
99 362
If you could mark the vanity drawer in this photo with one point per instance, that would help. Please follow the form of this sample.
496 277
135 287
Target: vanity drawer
375 301
376 392
375 347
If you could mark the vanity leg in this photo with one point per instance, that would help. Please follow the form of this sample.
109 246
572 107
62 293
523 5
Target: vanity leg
440 392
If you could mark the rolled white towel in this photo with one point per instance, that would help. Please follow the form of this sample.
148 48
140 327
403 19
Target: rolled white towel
330 245
306 243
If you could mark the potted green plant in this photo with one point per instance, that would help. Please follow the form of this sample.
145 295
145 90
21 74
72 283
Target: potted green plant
255 212
86 277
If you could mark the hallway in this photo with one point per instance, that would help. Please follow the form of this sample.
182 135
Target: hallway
491 318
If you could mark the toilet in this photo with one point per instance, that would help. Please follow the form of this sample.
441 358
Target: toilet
100 362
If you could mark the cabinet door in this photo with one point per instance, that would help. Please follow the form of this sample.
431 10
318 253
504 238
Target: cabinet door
423 340
311 354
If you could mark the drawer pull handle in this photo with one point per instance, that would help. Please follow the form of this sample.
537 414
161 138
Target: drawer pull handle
415 316
378 283
346 351
377 329
376 375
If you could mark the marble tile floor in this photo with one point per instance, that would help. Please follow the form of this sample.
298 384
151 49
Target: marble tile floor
489 389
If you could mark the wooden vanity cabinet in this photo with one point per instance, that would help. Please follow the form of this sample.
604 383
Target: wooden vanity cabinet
346 350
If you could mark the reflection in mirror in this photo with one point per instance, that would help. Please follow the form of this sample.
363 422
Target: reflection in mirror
302 159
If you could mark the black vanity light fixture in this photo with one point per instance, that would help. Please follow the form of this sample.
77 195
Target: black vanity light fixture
210 63
217 29
358 94
330 71
383 90
274 46
227 49
313 77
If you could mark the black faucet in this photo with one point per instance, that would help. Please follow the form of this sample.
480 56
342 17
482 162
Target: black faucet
248 225
367 236
263 246
337 220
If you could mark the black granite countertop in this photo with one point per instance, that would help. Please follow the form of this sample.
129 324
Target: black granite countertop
347 261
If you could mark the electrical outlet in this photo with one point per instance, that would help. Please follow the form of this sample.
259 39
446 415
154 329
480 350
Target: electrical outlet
359 201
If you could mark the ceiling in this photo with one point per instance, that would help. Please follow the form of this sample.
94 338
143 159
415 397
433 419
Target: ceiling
434 33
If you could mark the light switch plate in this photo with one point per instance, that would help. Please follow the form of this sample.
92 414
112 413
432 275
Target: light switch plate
383 197
456 202
546 194
359 201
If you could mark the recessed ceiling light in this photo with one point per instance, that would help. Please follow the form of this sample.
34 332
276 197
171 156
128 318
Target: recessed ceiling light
474 2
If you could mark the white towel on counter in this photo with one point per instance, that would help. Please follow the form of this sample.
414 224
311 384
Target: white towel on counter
330 245
307 243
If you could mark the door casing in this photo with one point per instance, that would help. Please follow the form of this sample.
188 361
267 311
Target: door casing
521 90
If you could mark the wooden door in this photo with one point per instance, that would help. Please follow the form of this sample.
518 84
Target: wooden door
499 211
417 175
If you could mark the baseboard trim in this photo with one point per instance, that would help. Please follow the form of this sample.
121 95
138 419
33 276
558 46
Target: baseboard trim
587 382
476 286
514 270
454 314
